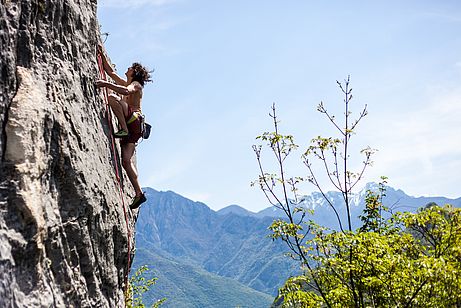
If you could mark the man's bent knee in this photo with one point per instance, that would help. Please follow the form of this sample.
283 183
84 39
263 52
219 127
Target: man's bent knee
113 99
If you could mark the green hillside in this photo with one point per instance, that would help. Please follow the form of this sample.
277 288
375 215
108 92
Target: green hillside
187 285
230 245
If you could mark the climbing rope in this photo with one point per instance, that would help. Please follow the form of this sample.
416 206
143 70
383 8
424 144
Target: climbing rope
117 173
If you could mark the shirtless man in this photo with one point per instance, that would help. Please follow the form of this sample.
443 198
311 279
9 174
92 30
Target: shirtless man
127 109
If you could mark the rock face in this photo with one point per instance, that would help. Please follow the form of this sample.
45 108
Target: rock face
64 238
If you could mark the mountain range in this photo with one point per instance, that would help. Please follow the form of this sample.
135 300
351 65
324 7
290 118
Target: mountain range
206 258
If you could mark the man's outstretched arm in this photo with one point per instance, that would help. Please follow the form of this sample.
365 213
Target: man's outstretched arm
109 69
123 90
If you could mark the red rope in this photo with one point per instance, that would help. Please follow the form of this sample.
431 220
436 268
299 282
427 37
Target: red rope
117 173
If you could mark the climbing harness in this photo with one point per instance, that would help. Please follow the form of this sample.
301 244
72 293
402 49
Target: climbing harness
117 173
145 127
136 115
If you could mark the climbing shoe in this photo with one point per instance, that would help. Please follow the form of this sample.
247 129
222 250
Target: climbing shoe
137 201
121 133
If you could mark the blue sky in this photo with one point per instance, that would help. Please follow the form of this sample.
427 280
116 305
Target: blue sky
219 66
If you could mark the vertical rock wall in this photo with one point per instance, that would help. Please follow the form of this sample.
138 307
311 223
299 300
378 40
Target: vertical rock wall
63 235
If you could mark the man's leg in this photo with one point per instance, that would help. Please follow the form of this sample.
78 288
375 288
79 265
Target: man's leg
120 109
127 154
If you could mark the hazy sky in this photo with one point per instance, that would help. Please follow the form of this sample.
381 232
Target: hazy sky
219 66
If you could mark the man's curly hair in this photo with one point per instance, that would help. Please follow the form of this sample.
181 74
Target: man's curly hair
140 73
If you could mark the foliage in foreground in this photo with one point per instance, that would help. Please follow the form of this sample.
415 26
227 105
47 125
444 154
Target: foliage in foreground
392 260
138 285
413 260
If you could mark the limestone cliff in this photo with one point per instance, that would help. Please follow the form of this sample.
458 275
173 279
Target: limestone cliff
63 235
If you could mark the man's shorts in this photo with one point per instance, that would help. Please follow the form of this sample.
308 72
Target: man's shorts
133 121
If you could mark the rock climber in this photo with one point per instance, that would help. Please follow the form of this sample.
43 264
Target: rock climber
127 108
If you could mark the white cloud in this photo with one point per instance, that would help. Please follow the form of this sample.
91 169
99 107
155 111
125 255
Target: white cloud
419 148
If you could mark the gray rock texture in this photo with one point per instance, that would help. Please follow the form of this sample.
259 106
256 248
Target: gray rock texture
64 239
